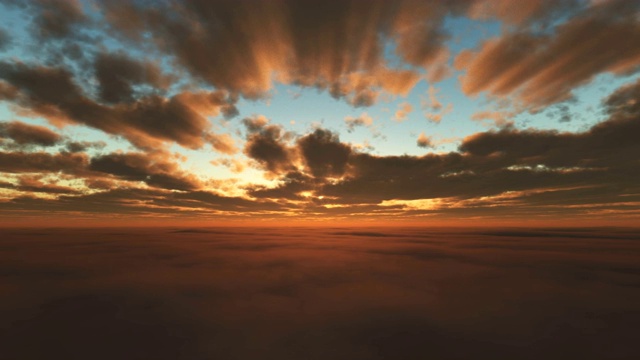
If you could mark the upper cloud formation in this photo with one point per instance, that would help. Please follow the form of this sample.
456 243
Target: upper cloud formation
243 48
337 46
520 12
542 69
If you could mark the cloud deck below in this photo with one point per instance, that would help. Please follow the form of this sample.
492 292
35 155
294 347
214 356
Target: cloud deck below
320 293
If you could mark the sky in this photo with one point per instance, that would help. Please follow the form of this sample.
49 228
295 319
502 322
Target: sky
316 112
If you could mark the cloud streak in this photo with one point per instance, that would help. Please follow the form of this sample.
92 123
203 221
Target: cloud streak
544 69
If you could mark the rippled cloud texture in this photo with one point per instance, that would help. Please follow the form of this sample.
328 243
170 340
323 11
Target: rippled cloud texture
339 293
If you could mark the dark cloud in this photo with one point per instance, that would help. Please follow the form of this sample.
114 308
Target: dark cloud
147 122
155 170
321 152
600 146
267 144
513 170
509 171
82 146
424 141
19 162
42 86
324 154
142 167
541 69
117 75
25 134
56 18
625 100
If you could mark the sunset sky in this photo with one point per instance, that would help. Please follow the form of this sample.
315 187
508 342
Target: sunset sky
295 112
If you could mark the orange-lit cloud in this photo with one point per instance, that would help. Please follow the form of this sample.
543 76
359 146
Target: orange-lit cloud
541 69
147 122
334 46
404 109
362 120
424 141
496 118
25 134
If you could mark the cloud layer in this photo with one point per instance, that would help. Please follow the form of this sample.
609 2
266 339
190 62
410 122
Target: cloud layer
341 293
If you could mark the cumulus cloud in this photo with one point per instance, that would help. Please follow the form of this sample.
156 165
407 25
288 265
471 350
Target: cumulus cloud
363 120
319 153
507 169
425 141
147 122
267 144
404 109
324 154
